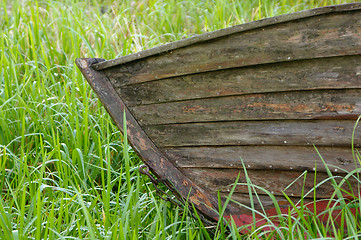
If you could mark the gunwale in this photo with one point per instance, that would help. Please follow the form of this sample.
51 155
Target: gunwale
226 31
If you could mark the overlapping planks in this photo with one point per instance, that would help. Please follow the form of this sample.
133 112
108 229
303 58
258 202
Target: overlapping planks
297 185
242 203
293 183
286 158
266 94
327 73
338 104
286 133
335 34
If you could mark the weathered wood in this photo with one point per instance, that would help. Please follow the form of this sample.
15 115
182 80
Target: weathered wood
327 73
337 104
267 92
155 159
291 132
315 37
240 202
298 16
287 158
274 181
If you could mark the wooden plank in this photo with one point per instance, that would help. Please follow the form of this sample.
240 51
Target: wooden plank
275 181
326 104
143 146
227 31
288 158
261 202
291 132
337 34
326 73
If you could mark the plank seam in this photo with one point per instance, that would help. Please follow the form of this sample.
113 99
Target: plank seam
240 67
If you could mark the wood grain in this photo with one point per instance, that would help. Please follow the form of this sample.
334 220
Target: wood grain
287 133
241 203
143 146
296 76
330 104
327 73
299 16
288 158
336 34
293 183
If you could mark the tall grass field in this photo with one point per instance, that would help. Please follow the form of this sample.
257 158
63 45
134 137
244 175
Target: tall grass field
66 172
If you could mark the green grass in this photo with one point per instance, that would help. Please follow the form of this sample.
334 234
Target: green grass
65 171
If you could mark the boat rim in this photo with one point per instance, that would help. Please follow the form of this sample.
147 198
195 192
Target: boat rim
226 31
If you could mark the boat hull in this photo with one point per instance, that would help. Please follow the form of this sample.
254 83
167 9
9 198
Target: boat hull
273 102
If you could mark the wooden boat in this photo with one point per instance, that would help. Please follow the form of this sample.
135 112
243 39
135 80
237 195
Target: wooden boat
265 92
